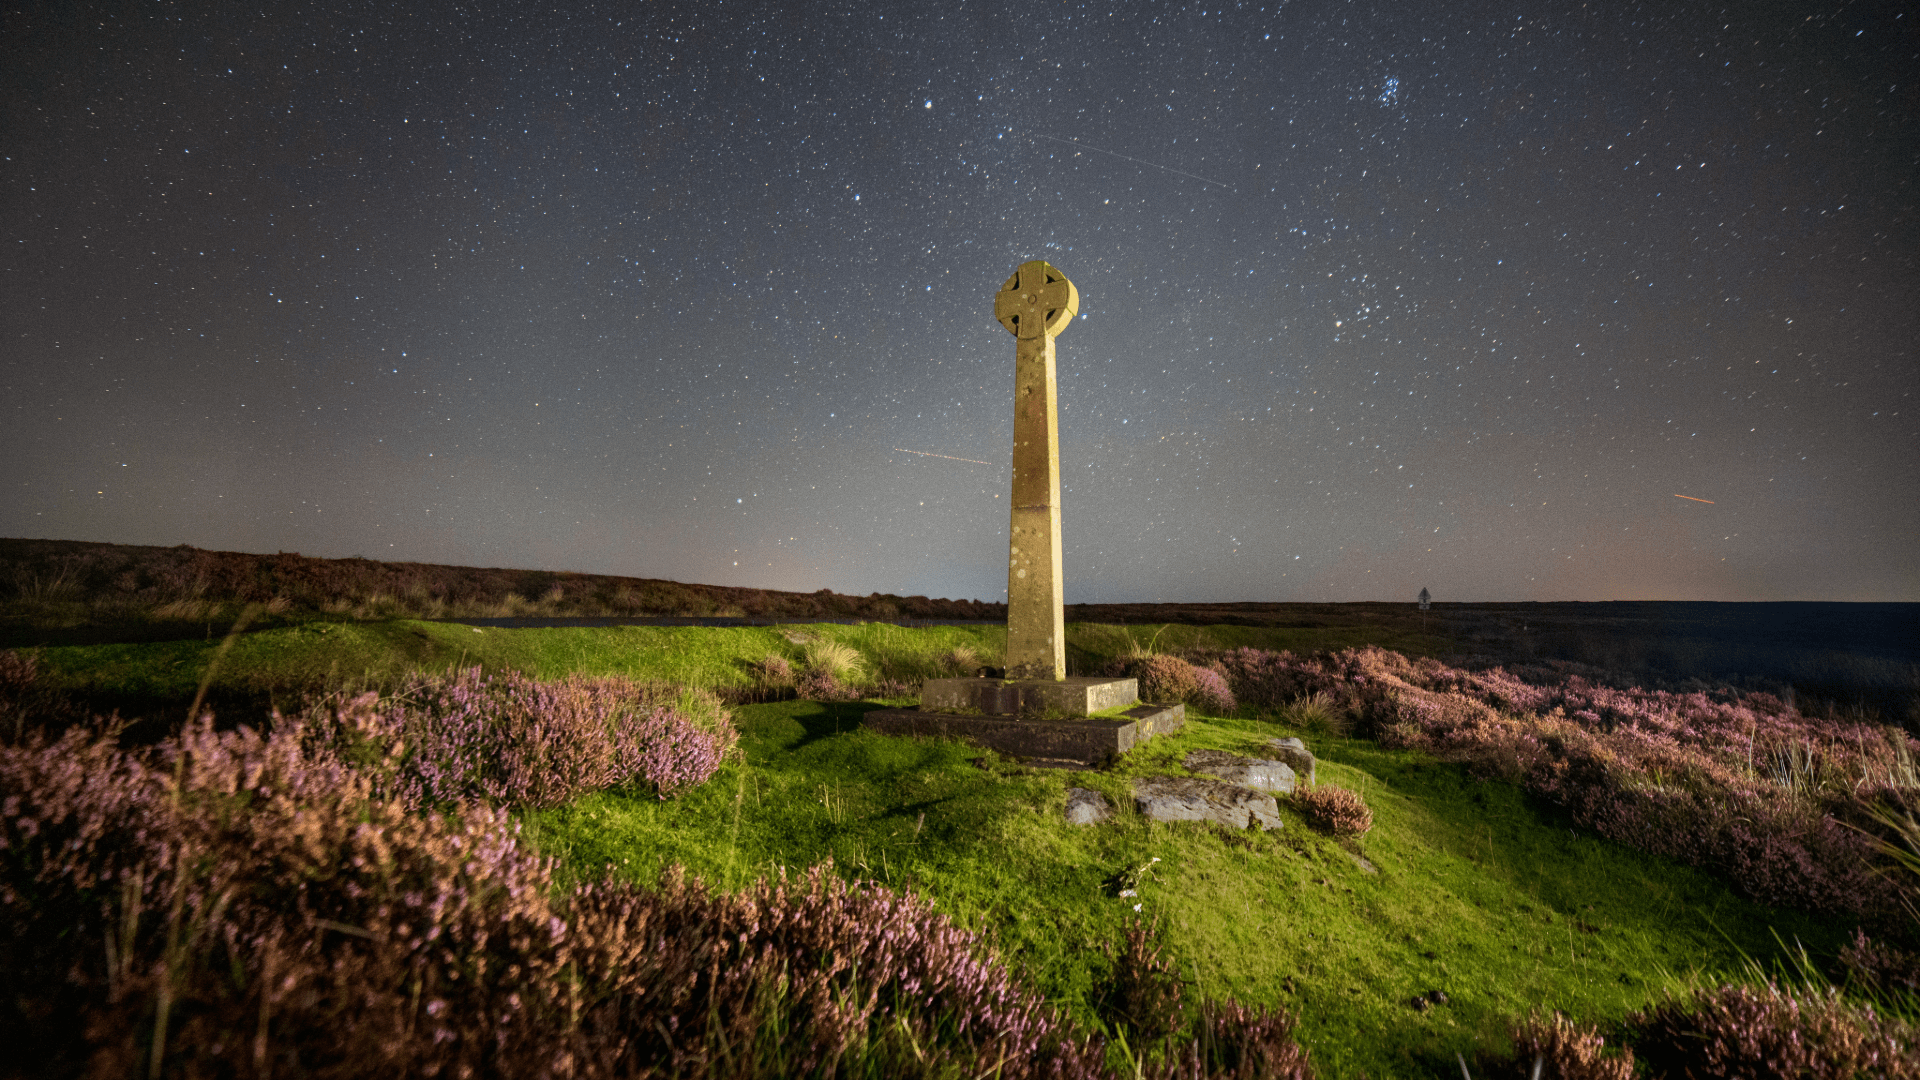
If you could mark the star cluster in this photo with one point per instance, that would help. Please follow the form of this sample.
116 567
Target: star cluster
1374 296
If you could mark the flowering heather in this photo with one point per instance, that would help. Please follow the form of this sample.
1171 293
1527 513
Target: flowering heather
820 684
1738 781
238 903
776 669
1768 1032
1169 679
1562 1050
1142 993
512 739
1333 809
1881 968
245 898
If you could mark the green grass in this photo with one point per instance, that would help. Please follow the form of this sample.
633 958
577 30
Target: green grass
318 654
1478 892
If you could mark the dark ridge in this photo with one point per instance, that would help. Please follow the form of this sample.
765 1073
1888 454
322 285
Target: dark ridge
67 592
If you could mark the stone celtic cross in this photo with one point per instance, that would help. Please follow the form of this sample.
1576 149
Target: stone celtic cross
1035 304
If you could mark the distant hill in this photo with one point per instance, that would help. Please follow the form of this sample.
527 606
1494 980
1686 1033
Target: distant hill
55 583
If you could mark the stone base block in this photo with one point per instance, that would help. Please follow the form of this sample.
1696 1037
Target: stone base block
1078 696
1083 743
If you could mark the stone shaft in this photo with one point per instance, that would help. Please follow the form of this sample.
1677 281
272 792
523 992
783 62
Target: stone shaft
1036 624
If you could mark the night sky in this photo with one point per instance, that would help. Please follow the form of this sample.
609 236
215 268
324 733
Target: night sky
1373 296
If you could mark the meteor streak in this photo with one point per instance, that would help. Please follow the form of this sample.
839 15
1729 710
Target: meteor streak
949 457
1135 160
1709 502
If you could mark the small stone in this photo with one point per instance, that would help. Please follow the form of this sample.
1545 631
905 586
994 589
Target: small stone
1294 753
1087 807
1247 772
1184 798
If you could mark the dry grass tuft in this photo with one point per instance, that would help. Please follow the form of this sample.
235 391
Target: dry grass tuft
1333 809
843 662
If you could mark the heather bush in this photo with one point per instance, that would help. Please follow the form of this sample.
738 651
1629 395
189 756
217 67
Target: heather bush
1739 781
21 699
509 738
1267 680
239 903
1333 809
232 899
1759 1033
819 684
1168 679
1142 993
1882 969
1240 1043
1556 1048
1141 1002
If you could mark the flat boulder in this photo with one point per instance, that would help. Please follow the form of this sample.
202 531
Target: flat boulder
1189 798
1294 753
1247 772
1087 807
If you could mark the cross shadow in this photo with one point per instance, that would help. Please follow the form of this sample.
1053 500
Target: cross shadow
833 718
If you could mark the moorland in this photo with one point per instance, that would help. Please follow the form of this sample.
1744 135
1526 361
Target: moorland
330 817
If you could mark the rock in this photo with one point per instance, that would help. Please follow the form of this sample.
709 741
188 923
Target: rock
1087 807
1247 772
1186 798
1295 753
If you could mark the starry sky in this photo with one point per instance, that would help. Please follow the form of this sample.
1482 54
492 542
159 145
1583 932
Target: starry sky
1374 296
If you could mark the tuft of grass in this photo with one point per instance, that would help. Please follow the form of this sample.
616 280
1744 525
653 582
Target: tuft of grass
1317 714
840 660
961 660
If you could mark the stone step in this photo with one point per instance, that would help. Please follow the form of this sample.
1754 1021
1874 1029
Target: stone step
1088 742
1076 695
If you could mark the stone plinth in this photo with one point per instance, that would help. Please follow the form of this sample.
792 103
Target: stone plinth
1077 696
1082 743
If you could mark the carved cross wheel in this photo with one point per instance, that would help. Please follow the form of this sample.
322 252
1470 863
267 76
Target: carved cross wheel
1037 299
